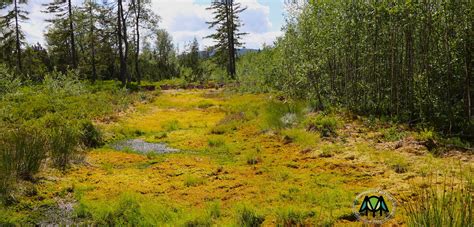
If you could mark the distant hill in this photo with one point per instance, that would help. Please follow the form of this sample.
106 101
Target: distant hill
240 52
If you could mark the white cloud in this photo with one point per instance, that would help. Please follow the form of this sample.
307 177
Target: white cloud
184 19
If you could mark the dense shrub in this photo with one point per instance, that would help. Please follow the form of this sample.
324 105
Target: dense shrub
8 82
91 136
326 125
409 60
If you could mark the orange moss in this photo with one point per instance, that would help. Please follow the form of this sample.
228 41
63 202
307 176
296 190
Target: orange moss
286 173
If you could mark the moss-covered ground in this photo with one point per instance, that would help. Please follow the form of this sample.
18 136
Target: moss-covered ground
236 166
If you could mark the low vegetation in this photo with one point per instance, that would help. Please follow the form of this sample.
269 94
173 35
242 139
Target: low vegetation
50 123
252 172
447 204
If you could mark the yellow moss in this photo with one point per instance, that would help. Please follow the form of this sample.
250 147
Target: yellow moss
242 164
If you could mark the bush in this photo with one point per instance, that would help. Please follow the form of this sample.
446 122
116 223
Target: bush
326 125
91 136
393 134
64 139
8 82
247 216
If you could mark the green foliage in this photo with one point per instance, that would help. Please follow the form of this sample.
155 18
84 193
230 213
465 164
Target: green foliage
425 135
393 134
8 82
171 125
254 76
51 121
327 125
409 60
216 142
22 152
291 216
91 136
226 22
247 216
190 62
63 142
449 206
283 114
192 181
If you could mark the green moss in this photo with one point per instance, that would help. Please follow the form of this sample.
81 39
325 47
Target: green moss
292 216
193 181
247 216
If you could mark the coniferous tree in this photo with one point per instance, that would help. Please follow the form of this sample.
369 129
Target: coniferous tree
11 35
227 23
63 11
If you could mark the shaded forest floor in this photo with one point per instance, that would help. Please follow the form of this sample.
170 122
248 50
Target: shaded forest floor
233 160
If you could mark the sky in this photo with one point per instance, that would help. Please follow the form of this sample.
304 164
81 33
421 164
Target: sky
186 19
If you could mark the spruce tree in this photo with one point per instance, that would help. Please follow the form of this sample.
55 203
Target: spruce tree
11 35
62 10
227 23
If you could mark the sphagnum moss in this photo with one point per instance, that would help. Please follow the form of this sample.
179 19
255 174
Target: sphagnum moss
249 165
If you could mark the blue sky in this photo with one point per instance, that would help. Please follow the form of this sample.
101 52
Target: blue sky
185 19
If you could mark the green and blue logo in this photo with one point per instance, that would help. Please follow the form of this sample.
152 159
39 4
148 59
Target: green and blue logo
374 207
373 204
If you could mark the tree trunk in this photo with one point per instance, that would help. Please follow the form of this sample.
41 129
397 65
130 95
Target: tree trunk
18 44
137 53
123 64
94 70
125 42
71 34
230 37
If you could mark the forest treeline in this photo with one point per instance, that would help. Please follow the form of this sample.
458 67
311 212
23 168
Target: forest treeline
409 60
110 40
95 55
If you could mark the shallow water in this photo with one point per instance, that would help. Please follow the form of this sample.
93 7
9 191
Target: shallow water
140 146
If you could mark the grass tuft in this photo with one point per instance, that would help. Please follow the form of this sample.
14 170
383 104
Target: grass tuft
326 125
247 216
291 216
451 205
193 181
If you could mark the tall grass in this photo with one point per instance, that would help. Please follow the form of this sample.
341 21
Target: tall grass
50 121
280 115
22 152
63 145
448 205
247 216
325 124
